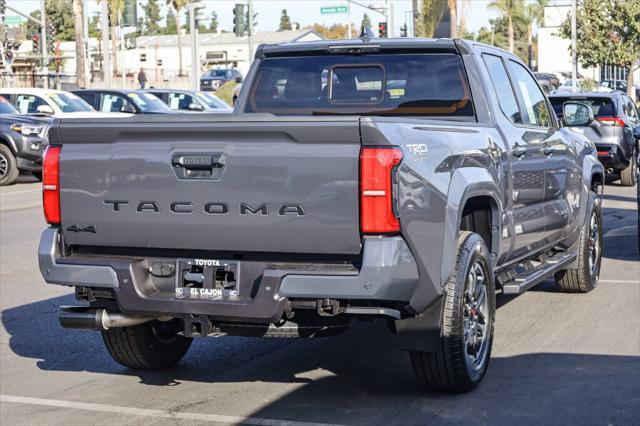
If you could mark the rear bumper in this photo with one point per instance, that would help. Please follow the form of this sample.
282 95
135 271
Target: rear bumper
612 157
388 274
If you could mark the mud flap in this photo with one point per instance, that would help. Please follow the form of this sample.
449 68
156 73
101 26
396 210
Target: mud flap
421 333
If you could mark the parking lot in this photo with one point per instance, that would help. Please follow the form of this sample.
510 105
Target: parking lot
557 358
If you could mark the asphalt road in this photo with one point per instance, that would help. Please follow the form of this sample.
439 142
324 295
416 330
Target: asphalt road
557 358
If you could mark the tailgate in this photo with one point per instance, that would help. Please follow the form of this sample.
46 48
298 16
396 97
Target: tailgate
225 184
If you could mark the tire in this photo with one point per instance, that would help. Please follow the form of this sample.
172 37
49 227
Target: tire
584 278
8 166
629 176
150 346
450 368
37 175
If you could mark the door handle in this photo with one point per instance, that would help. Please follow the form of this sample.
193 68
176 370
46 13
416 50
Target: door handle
199 166
548 150
518 151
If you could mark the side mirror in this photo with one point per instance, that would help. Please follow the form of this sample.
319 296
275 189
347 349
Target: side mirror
238 79
577 114
195 107
45 109
128 108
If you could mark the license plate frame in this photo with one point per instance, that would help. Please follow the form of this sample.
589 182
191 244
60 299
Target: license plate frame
199 278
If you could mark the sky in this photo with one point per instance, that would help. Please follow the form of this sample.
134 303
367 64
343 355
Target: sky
307 12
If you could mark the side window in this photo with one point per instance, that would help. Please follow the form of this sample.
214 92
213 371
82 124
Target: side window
536 112
631 109
502 86
28 104
87 97
113 103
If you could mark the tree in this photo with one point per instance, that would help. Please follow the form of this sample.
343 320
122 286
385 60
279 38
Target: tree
285 21
609 34
453 17
78 22
510 9
534 14
170 23
429 17
177 7
336 31
213 24
152 17
366 22
60 14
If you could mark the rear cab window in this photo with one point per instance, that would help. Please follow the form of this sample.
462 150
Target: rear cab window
425 84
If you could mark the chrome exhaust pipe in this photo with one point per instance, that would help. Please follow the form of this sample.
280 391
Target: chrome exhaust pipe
86 318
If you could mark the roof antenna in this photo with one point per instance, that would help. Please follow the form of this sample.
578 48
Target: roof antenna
366 33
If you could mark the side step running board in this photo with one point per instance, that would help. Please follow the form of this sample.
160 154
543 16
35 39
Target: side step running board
535 276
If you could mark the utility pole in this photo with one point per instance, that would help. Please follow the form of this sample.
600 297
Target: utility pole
574 56
390 23
349 35
250 32
106 55
193 28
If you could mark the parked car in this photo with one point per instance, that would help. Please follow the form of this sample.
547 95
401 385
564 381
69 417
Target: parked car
548 81
190 100
215 78
612 131
328 206
22 143
620 85
126 101
54 103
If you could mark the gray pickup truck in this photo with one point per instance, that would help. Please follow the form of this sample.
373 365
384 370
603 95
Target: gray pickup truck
403 180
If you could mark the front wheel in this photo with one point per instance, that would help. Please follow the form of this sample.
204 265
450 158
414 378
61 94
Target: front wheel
584 277
467 321
8 166
629 176
150 346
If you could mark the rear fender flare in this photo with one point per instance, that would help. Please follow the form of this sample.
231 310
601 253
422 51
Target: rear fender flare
466 183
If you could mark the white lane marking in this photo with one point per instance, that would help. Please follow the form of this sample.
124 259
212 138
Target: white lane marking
620 281
21 192
105 408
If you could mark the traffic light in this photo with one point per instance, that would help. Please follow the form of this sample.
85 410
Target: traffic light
239 25
382 29
403 30
251 23
36 43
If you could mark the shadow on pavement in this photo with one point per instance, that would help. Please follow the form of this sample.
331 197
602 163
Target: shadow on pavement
357 377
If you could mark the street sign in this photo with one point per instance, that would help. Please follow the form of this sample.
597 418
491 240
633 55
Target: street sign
13 20
216 55
334 9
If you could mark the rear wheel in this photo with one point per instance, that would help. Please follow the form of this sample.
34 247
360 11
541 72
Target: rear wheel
629 176
8 166
150 346
584 277
468 314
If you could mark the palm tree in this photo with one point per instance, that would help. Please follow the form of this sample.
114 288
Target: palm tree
534 14
116 7
453 17
78 26
177 6
511 9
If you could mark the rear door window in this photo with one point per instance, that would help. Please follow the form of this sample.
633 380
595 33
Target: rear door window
536 112
502 86
428 84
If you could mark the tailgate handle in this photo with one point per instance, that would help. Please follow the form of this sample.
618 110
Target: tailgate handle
199 162
199 166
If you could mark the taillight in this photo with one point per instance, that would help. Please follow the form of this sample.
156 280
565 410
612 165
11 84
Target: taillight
376 190
51 184
614 121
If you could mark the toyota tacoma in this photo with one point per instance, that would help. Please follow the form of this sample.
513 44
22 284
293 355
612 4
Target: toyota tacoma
403 180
